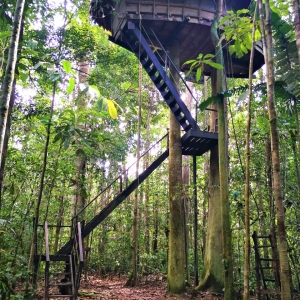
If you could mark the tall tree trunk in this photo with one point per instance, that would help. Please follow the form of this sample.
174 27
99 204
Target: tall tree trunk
212 277
79 198
247 173
223 163
176 261
135 237
7 86
286 291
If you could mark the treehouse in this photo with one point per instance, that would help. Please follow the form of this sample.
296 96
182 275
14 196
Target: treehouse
163 22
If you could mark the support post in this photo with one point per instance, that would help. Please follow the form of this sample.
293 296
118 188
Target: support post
195 220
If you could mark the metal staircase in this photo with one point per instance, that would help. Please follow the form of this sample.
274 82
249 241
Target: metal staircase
136 42
62 272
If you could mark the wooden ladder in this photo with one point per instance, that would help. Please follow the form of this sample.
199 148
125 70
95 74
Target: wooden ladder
266 267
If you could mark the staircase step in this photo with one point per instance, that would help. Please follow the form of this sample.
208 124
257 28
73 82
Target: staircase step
151 71
171 101
156 79
146 63
161 86
167 95
176 110
186 127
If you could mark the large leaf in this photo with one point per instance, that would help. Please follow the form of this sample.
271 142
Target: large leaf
112 109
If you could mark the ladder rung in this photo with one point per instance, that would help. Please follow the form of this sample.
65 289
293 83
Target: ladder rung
268 259
266 246
263 236
271 280
267 268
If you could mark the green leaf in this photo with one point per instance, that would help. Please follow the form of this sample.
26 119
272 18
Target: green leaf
67 66
100 103
71 85
198 74
213 64
203 105
5 34
189 61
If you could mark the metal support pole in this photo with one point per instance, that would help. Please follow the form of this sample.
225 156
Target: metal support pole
195 220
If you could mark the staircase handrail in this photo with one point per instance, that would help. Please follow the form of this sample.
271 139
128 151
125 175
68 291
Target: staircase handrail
174 66
120 176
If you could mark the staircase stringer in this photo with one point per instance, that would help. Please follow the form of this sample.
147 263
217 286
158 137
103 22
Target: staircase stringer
166 88
90 226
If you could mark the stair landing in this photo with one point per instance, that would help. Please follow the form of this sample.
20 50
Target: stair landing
196 142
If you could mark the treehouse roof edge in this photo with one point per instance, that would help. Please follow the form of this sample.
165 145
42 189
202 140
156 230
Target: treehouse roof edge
186 22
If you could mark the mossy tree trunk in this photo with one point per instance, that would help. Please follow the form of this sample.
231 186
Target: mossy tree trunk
223 163
186 184
176 257
212 277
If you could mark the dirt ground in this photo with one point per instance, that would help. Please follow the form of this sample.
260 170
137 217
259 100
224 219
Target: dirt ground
150 288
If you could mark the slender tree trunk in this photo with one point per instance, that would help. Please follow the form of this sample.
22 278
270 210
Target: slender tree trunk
79 198
7 85
176 261
147 190
134 279
42 180
286 291
247 173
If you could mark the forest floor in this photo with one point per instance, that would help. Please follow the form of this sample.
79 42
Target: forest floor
150 288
